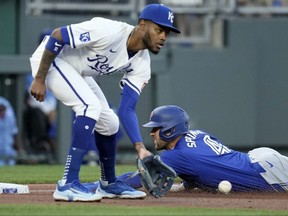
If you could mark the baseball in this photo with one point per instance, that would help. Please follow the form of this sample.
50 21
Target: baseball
225 187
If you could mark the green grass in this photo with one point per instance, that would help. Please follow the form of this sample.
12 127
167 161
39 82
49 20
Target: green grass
99 209
28 174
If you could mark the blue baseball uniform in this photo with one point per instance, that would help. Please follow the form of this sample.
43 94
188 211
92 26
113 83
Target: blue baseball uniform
202 161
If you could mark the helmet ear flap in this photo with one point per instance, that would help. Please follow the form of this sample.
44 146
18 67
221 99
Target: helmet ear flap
167 134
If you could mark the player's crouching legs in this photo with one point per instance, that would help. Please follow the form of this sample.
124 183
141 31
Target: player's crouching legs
108 123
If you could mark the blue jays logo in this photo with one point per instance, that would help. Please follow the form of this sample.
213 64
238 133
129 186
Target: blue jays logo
85 37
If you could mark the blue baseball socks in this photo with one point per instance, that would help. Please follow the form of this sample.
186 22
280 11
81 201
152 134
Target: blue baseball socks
82 136
106 146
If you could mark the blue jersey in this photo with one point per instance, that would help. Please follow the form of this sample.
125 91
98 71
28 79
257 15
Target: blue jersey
202 161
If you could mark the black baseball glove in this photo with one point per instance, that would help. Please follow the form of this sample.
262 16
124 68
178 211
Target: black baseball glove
156 176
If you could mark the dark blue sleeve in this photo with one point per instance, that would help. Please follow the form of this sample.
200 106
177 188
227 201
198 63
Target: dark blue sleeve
127 114
65 36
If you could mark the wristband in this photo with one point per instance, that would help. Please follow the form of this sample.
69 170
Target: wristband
53 45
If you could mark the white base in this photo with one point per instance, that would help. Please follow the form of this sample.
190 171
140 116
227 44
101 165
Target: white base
13 188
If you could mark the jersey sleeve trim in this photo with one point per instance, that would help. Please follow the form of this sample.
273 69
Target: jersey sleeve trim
130 84
65 35
71 37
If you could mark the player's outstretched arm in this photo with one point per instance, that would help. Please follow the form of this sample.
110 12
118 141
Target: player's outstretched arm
129 120
141 150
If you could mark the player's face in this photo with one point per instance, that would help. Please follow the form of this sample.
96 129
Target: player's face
154 37
158 142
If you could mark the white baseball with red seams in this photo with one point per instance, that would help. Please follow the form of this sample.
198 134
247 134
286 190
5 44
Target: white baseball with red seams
225 187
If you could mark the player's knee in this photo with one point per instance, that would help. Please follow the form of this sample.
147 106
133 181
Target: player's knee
114 125
93 111
108 126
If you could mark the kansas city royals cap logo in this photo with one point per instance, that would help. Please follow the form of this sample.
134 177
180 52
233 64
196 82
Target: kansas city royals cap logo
171 17
159 14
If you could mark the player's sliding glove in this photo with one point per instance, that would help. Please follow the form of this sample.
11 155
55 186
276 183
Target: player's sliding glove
156 176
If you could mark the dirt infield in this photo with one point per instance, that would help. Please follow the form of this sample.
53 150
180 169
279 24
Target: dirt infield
42 194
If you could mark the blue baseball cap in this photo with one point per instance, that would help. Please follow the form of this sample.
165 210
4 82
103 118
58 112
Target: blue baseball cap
159 14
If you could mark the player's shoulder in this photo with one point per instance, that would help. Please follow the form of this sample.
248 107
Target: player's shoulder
146 55
113 28
194 133
172 156
109 22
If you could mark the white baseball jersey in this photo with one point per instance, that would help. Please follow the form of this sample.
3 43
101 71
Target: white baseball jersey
97 47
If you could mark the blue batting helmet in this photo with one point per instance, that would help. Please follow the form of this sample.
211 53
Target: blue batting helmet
172 120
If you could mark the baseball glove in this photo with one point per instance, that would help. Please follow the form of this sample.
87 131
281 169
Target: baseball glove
156 176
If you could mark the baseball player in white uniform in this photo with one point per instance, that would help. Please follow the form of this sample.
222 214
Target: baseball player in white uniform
66 62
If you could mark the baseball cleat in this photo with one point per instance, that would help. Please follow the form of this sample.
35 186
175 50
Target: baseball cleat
91 186
73 192
119 190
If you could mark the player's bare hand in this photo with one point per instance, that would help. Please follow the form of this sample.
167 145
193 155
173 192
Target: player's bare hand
38 89
141 150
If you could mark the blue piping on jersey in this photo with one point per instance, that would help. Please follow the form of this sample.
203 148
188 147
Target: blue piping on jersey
71 86
72 36
132 86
